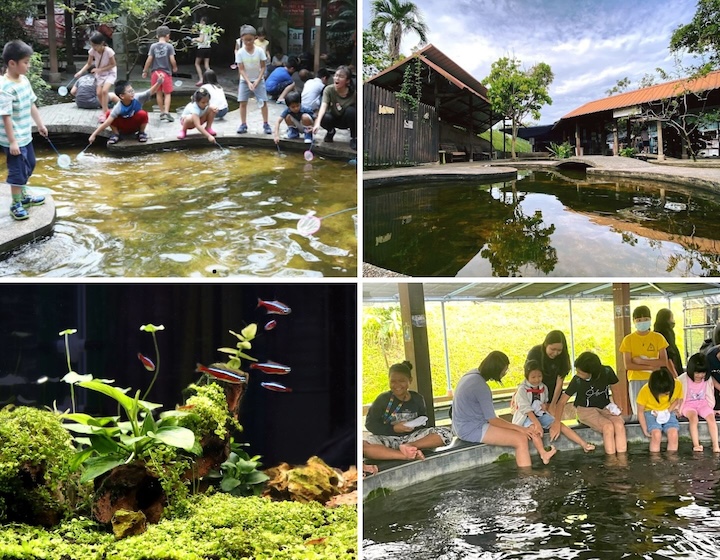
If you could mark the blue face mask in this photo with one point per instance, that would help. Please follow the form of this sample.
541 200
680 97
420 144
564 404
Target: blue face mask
643 326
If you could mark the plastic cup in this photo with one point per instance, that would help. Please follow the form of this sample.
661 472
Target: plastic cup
64 161
62 91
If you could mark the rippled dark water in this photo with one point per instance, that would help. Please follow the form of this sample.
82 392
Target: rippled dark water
544 224
197 213
578 507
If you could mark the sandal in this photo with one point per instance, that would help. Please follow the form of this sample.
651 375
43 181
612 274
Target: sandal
114 138
142 137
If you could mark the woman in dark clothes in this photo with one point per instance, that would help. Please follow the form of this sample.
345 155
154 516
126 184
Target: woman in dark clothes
665 325
554 360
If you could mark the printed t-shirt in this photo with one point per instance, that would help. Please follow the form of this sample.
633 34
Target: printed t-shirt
648 346
251 62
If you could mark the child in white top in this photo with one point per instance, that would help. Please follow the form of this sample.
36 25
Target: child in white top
102 59
699 390
217 93
198 113
251 62
530 408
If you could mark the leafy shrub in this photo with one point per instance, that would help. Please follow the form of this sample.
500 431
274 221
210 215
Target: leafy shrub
561 151
628 152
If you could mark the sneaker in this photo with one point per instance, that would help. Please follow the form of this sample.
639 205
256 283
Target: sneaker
169 117
329 135
242 129
31 200
18 212
353 144
308 137
293 133
210 131
101 118
163 116
182 134
142 137
267 129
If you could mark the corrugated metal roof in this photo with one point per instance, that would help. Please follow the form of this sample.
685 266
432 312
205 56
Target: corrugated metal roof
647 95
479 291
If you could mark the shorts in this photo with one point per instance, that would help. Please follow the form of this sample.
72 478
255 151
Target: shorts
221 113
394 442
167 85
131 125
103 79
597 418
702 407
279 87
652 423
203 53
545 420
20 167
296 123
260 94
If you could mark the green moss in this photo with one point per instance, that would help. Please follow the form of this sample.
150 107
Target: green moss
219 526
210 412
35 452
504 457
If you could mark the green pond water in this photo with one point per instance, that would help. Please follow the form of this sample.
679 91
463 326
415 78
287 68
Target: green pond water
543 224
197 213
664 506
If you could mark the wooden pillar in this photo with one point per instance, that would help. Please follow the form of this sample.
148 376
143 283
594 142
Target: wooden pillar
417 352
577 139
621 305
54 76
70 67
661 151
472 131
616 139
320 25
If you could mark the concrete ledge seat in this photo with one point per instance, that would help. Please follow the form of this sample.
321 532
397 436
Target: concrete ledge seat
462 455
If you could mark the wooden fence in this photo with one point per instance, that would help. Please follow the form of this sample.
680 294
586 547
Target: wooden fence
395 135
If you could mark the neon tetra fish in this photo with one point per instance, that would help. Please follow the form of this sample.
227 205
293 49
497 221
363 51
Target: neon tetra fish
270 325
277 387
146 362
274 307
272 368
223 374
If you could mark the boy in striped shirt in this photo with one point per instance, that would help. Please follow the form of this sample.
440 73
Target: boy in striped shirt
17 111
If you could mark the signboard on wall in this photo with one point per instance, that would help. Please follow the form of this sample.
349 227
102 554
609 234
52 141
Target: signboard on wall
295 40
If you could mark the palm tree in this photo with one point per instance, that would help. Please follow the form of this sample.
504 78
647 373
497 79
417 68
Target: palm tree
402 17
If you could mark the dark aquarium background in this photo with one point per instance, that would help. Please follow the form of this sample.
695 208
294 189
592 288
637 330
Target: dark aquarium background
317 340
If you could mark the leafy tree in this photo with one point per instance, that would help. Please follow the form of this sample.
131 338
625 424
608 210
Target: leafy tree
135 21
10 16
382 327
402 18
375 56
702 35
515 93
342 29
621 86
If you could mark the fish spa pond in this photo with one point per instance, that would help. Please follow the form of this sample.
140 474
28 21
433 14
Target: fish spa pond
545 223
201 212
594 506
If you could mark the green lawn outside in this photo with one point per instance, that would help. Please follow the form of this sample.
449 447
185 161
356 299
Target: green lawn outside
497 141
476 328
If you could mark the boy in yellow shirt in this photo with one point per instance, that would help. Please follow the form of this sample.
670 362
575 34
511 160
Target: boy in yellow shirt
643 351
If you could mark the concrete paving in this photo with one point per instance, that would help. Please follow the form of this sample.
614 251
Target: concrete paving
14 233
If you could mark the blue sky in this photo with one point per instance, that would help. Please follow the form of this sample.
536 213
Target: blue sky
589 44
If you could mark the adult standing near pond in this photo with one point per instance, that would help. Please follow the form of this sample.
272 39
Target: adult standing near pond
388 418
554 359
473 412
337 109
665 325
643 352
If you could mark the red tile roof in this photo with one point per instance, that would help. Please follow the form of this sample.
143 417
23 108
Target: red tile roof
648 94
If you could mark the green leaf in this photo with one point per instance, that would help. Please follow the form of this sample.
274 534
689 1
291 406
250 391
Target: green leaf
95 466
226 350
228 484
148 424
152 328
243 355
103 444
176 436
112 392
67 331
256 477
250 331
74 377
79 458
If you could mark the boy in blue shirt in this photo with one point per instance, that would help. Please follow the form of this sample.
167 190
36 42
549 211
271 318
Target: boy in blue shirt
280 82
295 116
17 110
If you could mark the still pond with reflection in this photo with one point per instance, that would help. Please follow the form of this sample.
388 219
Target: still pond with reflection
580 506
202 213
543 224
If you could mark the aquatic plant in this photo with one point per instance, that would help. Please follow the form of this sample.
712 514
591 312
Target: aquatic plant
240 474
237 354
216 526
152 329
210 414
36 484
111 443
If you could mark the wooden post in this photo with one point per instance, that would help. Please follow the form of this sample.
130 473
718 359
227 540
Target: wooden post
70 67
417 352
320 24
577 139
54 77
616 139
621 306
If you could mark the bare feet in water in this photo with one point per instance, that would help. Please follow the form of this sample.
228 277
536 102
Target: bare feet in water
411 452
547 454
698 448
588 447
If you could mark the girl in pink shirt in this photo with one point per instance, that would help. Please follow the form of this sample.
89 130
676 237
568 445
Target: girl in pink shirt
699 399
